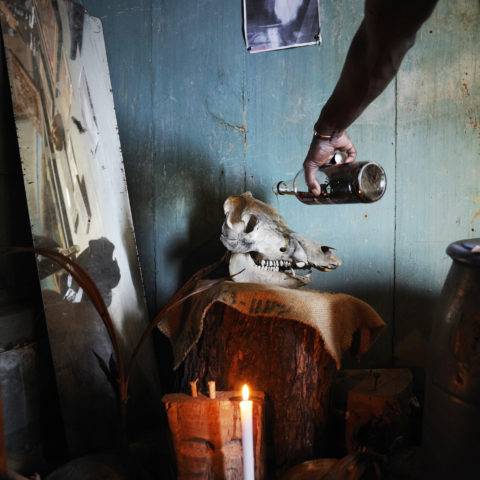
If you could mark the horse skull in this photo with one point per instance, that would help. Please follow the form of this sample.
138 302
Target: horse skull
265 250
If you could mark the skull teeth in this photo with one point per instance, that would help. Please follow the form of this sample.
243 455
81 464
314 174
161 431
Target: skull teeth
275 265
268 268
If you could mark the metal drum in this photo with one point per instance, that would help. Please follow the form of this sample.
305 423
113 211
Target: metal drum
451 425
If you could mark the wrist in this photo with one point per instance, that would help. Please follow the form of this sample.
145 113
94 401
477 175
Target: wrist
323 133
325 127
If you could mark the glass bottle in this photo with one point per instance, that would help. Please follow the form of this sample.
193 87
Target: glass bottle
356 182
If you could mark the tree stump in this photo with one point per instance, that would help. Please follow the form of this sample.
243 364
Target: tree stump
378 403
374 407
283 358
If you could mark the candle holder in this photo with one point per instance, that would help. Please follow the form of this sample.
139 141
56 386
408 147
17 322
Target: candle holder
207 435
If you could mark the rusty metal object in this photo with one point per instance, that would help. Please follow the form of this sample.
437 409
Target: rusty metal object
451 426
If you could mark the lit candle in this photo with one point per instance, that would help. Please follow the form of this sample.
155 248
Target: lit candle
246 408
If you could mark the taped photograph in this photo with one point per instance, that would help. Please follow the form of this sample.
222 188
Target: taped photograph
278 24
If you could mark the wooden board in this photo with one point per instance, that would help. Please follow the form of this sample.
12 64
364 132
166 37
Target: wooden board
199 131
192 61
285 92
438 177
131 71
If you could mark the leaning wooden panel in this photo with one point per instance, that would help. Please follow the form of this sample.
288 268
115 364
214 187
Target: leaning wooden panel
78 203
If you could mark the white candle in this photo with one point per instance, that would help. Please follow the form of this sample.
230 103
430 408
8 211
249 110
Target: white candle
246 410
212 392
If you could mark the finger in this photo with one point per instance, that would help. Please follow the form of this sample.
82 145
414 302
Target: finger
351 154
311 179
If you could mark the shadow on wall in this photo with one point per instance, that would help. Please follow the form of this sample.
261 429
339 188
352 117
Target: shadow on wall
411 335
191 190
409 341
191 201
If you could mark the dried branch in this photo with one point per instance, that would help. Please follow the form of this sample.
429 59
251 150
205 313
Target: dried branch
88 285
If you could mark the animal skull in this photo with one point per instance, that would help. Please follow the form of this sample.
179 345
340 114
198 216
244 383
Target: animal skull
265 250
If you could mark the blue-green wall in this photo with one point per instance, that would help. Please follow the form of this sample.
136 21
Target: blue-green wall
200 119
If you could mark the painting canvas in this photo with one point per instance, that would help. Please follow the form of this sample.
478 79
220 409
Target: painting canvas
278 24
78 202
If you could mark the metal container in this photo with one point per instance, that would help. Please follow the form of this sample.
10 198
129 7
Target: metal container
451 425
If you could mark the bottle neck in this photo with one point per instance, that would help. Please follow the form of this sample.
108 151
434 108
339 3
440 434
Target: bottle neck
285 188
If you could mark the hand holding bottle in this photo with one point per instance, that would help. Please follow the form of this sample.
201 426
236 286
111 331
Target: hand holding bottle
321 151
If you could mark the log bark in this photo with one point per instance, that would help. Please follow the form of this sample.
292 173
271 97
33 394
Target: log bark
283 358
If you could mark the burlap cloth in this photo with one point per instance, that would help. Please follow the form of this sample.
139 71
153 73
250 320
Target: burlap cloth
335 316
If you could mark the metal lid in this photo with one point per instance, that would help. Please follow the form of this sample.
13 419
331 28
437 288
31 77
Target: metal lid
466 251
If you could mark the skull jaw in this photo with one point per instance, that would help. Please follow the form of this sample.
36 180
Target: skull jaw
243 269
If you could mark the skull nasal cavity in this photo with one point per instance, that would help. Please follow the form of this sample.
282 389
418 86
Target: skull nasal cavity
251 224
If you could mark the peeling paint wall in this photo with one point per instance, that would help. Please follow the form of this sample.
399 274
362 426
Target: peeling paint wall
200 119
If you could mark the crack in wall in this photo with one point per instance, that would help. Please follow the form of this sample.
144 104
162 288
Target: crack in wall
242 128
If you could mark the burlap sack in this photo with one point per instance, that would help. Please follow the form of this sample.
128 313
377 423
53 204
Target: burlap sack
336 316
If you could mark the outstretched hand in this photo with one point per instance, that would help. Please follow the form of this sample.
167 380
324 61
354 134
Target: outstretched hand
321 151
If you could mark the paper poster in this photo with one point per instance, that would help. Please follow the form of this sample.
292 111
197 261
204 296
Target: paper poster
278 24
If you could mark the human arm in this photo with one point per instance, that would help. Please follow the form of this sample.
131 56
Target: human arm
385 35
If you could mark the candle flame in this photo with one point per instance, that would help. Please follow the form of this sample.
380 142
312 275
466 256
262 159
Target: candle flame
245 392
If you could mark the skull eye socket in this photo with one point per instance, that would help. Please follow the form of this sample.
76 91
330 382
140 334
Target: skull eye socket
325 249
283 249
252 222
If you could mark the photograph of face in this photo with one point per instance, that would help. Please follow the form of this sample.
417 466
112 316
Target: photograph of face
278 24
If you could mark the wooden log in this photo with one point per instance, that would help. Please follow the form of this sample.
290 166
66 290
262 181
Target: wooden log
375 405
285 359
207 435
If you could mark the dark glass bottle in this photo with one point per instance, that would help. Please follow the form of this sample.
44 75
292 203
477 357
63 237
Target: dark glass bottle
357 182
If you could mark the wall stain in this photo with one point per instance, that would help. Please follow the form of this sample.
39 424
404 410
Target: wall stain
474 122
476 216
